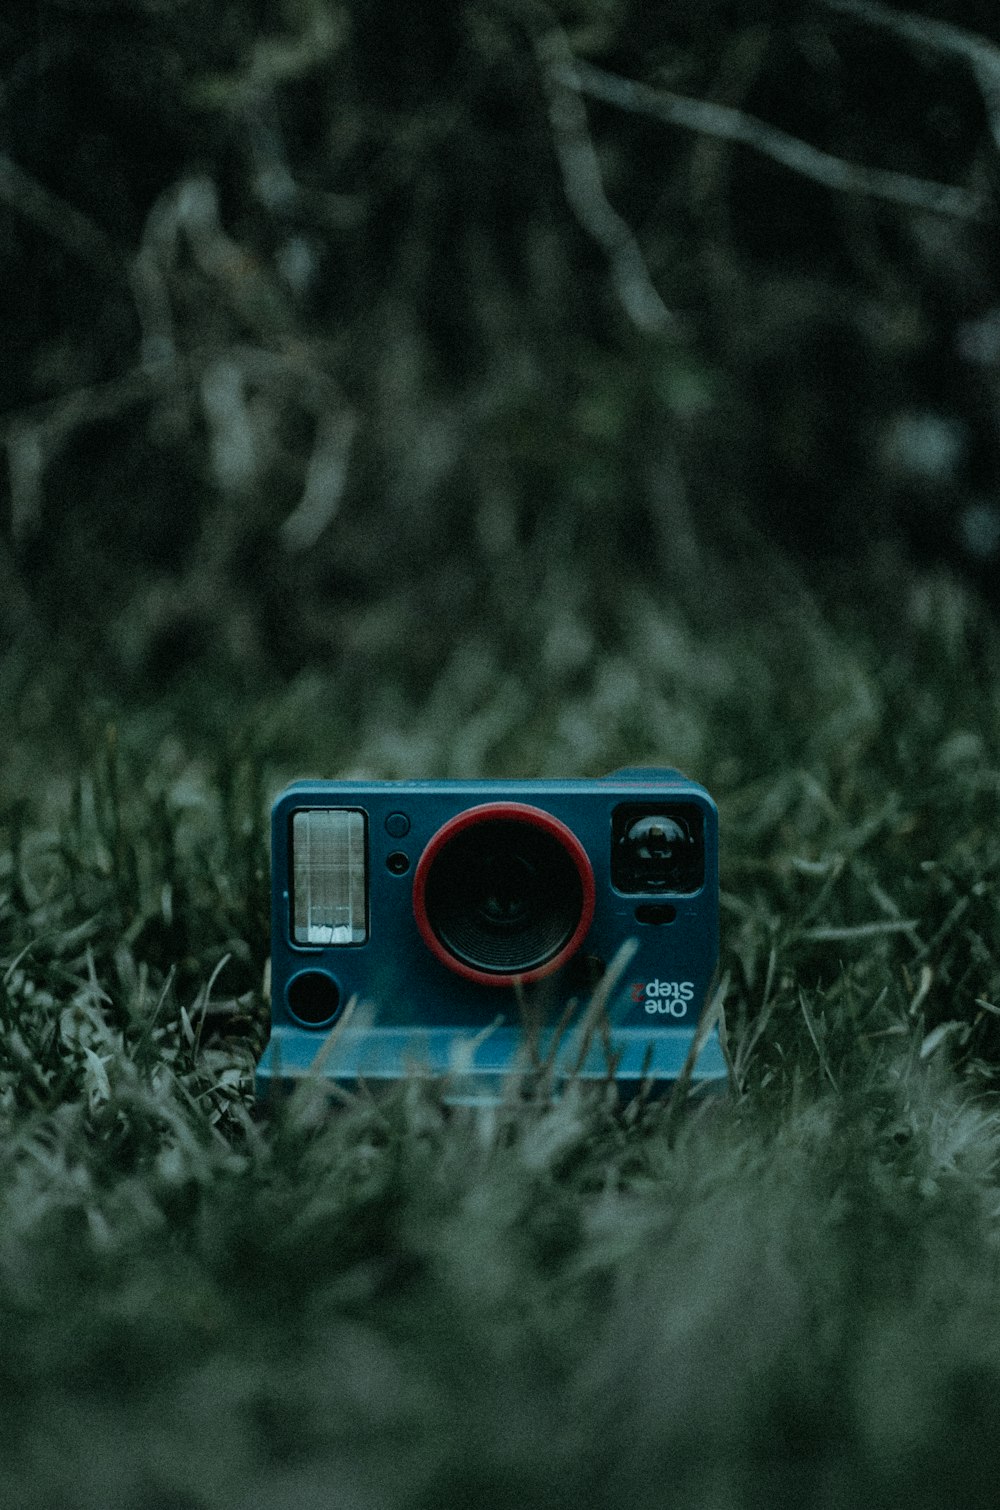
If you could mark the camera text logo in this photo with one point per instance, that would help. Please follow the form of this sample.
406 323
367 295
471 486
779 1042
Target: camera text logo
664 997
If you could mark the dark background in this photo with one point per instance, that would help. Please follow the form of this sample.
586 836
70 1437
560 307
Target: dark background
312 355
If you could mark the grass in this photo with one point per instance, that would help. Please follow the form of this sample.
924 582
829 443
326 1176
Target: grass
786 1296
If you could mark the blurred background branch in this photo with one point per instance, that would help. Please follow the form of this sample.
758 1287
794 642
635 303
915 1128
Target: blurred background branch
581 174
343 331
54 216
982 55
736 126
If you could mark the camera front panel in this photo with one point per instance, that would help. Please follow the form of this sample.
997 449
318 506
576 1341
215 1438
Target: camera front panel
449 912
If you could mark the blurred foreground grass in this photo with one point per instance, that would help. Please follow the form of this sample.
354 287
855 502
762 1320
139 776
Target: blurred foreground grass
788 1296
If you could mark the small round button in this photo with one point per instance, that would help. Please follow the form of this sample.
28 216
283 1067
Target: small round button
397 824
313 998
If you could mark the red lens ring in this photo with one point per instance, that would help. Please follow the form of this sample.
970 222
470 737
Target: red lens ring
520 812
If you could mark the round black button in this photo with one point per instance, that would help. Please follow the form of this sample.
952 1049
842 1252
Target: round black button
397 824
313 998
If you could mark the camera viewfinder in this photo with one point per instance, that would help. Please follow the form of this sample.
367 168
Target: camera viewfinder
658 849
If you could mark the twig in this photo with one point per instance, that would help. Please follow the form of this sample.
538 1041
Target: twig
18 618
801 157
325 480
148 274
32 436
581 174
983 57
61 221
83 405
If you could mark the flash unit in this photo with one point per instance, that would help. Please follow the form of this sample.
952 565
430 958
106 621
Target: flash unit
329 876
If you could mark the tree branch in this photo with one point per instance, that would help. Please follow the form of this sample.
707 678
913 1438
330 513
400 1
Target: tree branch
58 219
581 175
734 125
983 57
33 436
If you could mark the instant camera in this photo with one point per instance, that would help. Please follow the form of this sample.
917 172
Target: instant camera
481 929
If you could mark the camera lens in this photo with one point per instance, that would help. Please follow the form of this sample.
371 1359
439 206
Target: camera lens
504 891
504 897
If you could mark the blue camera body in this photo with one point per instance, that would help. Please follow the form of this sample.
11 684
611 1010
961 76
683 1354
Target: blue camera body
462 927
